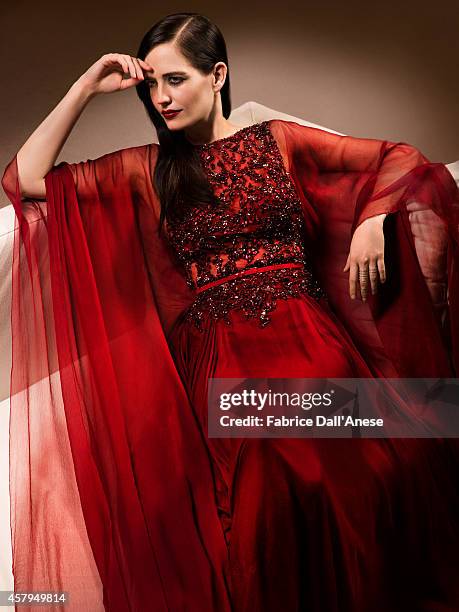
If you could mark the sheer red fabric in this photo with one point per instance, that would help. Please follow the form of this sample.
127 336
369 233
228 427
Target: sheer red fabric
114 492
343 181
103 448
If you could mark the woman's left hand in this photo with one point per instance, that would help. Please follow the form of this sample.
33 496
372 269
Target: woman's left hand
366 257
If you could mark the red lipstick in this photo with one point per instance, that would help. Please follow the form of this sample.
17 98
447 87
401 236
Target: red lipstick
168 114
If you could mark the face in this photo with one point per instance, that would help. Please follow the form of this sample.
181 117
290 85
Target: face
176 85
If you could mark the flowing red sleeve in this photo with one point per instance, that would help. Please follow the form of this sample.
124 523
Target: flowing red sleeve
109 476
410 328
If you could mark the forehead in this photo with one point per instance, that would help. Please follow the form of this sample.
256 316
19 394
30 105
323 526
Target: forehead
167 58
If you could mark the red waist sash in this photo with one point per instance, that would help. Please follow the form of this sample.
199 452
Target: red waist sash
247 271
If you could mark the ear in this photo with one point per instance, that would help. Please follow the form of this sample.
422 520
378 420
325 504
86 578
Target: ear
220 71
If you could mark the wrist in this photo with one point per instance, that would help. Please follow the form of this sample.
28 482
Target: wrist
83 89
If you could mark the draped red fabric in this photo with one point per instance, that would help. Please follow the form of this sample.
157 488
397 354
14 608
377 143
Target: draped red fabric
342 181
112 487
92 376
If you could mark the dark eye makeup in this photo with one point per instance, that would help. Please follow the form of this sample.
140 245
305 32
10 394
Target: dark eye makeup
172 80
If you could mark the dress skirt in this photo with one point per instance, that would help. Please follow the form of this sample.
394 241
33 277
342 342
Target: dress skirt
321 525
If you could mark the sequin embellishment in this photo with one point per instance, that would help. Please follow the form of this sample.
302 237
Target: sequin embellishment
256 226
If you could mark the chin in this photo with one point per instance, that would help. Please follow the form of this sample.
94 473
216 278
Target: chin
174 124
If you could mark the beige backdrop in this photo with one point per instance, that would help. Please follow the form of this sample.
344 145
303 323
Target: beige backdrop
382 70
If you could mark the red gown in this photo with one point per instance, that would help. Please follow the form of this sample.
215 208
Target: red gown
154 514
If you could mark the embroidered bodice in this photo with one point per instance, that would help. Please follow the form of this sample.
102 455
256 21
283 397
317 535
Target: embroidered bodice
248 250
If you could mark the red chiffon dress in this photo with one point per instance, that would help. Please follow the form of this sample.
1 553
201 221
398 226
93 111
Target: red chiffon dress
155 514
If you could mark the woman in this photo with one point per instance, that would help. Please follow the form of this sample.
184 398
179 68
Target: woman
220 253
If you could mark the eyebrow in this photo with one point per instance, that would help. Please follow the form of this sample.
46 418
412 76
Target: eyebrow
166 74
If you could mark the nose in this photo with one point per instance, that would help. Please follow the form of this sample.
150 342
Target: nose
162 96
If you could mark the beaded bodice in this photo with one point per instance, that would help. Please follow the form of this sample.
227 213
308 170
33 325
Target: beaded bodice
256 226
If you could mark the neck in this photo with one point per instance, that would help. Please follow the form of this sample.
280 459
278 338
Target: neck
211 129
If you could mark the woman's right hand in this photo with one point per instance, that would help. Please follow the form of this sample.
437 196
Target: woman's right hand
106 75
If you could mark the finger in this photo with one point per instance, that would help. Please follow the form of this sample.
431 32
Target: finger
133 67
130 82
373 273
382 270
138 69
125 66
346 267
116 58
363 281
353 280
130 63
144 64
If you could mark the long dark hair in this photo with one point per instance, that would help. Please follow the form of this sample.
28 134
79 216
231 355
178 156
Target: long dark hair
179 179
